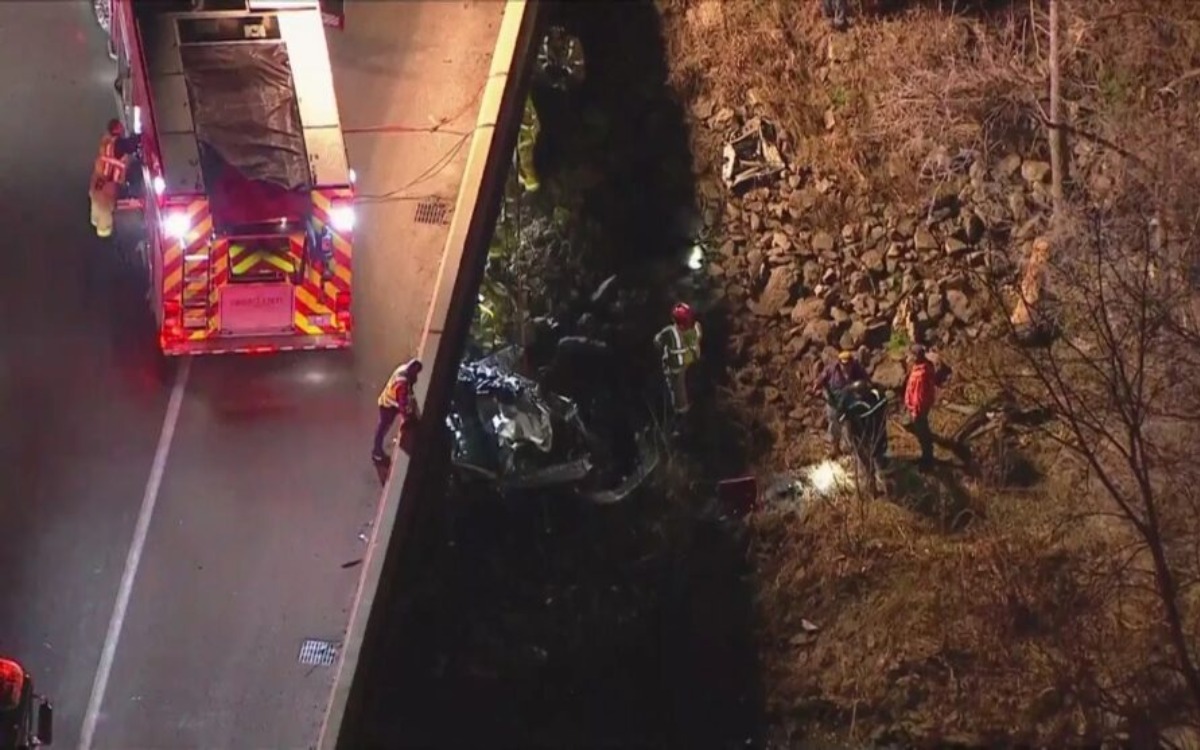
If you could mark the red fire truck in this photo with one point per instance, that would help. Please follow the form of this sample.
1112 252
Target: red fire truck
241 189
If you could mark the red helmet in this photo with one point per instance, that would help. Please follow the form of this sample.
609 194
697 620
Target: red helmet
684 315
12 683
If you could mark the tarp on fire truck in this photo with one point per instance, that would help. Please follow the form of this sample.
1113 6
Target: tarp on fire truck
245 110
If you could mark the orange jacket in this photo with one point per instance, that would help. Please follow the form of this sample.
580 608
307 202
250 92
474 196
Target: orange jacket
921 389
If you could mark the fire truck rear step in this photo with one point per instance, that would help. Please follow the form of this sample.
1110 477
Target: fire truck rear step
197 281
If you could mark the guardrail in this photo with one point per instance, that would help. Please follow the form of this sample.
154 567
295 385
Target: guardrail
442 343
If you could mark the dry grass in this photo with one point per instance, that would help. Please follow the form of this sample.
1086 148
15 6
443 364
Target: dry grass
876 105
1004 633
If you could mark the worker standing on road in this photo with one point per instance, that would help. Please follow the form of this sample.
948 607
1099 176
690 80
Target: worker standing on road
834 379
531 127
680 346
396 400
919 393
12 684
108 174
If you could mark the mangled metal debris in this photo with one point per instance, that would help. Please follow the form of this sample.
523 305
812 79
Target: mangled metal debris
814 482
510 431
751 156
560 59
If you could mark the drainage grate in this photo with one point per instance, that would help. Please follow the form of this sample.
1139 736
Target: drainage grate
433 211
317 653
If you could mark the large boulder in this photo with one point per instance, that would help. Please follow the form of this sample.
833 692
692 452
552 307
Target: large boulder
778 293
809 309
889 374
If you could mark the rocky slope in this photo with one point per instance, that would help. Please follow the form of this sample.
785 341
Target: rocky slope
900 182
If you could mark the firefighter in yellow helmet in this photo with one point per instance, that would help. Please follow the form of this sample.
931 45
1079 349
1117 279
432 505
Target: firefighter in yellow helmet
531 126
680 346
108 175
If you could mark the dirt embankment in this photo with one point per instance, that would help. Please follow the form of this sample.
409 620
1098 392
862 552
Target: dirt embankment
974 606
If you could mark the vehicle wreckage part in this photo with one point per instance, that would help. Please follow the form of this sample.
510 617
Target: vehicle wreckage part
512 432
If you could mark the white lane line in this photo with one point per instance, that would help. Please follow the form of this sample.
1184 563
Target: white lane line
134 558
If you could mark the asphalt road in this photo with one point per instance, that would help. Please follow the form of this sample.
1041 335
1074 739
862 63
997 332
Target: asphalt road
265 486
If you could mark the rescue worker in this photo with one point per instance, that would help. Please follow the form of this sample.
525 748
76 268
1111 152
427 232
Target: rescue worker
12 704
396 400
679 343
531 127
108 175
919 393
832 381
862 408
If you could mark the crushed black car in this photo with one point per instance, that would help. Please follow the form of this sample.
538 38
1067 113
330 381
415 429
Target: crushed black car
513 433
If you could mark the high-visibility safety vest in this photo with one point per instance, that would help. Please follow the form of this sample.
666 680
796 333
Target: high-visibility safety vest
531 127
680 348
396 394
108 166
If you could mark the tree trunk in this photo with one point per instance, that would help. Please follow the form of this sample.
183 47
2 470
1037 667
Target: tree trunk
1169 593
1057 156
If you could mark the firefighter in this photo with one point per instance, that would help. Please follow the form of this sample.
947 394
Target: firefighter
13 705
12 684
679 343
531 126
396 400
108 175
833 380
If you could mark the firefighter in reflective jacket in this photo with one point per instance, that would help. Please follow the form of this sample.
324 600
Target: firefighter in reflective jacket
531 126
13 705
108 174
396 400
680 347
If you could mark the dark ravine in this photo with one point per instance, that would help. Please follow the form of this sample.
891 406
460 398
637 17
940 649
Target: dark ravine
541 620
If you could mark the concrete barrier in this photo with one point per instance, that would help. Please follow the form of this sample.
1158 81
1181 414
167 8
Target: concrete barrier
442 342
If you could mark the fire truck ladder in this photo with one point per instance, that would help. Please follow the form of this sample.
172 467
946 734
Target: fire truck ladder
197 281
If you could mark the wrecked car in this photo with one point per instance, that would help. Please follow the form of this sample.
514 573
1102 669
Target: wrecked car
513 433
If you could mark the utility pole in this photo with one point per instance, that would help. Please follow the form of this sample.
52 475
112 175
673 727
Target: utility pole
1057 156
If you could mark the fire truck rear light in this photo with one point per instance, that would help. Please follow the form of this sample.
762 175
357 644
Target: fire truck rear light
176 225
342 306
342 218
172 320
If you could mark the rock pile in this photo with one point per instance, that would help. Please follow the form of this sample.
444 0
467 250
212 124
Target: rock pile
885 277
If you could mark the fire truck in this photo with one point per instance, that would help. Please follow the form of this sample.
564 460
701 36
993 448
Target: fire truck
240 194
